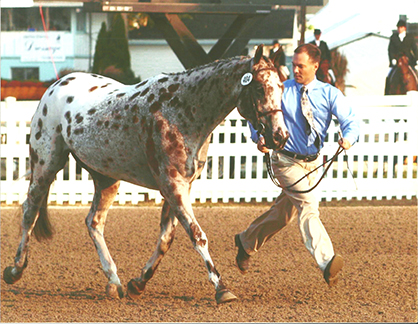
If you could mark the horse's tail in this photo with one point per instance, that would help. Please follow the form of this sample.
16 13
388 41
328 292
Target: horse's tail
43 227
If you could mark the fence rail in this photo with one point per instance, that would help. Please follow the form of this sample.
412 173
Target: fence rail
383 163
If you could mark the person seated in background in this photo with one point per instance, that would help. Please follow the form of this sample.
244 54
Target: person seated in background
324 73
401 43
323 46
281 62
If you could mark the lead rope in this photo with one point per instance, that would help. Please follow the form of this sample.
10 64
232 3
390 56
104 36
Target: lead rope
276 182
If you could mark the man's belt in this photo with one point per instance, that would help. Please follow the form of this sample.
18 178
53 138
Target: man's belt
305 158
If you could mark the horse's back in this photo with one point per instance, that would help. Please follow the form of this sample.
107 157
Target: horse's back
86 88
88 115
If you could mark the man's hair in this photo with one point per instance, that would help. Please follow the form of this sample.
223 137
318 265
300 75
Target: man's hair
311 50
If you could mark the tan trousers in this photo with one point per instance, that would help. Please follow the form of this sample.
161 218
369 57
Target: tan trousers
289 204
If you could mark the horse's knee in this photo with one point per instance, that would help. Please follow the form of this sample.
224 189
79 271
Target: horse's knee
95 220
197 236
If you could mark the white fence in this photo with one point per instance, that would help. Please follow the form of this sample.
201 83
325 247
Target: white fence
383 163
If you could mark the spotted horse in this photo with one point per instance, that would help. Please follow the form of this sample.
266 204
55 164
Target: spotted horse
153 134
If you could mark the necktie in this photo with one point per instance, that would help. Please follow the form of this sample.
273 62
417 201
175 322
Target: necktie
307 113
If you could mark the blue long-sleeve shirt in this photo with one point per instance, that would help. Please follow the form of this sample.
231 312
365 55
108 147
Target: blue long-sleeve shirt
326 101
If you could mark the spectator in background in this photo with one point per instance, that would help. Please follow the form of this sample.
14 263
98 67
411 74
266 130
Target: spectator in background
324 73
281 62
401 43
323 46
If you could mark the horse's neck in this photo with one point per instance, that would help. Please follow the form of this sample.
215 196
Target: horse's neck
211 93
411 80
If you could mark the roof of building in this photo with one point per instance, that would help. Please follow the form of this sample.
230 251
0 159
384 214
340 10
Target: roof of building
342 20
277 25
354 38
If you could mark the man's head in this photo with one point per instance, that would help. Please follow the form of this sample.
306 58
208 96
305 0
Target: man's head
317 34
305 63
401 26
276 44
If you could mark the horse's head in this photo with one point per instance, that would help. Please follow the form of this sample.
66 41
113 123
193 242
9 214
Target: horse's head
260 100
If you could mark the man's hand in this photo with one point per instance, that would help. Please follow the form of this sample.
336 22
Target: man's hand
344 143
261 145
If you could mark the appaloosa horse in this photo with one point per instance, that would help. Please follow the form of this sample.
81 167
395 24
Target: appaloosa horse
153 134
402 78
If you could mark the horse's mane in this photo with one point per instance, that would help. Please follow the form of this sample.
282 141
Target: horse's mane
209 65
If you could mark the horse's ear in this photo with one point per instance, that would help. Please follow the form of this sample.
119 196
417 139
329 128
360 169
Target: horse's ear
258 53
275 58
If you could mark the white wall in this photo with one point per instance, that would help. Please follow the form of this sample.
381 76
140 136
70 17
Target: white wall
148 60
368 66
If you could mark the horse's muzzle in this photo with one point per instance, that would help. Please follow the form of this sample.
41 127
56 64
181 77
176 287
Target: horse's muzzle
278 139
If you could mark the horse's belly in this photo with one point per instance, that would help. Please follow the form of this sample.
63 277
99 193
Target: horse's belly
115 157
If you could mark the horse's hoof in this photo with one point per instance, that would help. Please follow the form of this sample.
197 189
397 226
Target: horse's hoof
224 296
114 291
9 277
135 289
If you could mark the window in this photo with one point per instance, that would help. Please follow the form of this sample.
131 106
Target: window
21 19
27 73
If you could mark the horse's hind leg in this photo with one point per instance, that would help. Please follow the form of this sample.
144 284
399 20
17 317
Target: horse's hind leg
44 166
167 230
105 192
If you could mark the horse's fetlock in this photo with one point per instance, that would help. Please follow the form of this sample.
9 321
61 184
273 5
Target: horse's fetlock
147 274
21 265
135 288
114 291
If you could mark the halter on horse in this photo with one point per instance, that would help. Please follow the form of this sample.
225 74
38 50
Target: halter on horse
402 78
154 134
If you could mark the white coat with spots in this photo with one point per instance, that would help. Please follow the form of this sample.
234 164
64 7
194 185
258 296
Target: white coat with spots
153 134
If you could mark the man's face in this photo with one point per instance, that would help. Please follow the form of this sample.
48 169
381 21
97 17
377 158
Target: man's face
317 36
304 68
401 29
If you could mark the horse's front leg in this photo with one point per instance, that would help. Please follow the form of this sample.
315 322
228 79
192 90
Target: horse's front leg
179 200
200 243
